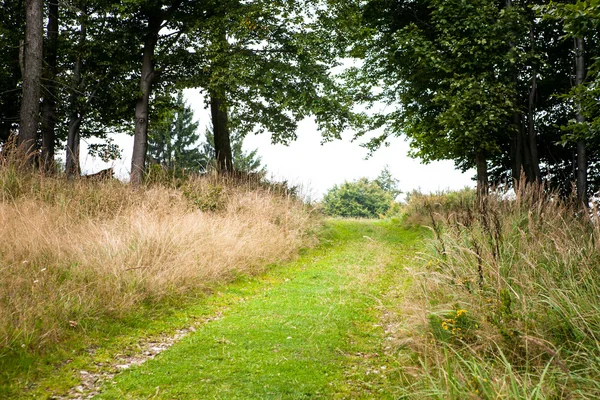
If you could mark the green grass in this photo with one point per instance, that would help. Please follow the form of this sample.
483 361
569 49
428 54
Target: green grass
26 375
505 304
309 329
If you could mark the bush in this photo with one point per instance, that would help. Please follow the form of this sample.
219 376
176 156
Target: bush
359 199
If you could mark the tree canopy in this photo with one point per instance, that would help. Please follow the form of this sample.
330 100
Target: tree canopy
109 63
509 87
486 84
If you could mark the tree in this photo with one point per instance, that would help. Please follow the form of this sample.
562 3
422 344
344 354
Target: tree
95 75
248 162
268 64
162 25
32 75
481 83
155 16
581 22
359 199
76 111
173 139
175 144
443 62
48 115
388 183
12 15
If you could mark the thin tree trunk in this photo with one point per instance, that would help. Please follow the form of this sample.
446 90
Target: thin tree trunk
222 138
73 141
531 133
482 174
519 154
76 115
32 74
582 162
517 148
140 138
49 103
534 162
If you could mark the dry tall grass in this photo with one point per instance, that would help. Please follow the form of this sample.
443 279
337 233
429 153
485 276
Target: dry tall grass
73 252
510 306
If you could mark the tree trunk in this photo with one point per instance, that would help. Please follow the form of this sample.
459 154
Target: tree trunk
218 110
523 158
582 162
140 138
524 152
516 153
482 174
76 114
73 140
49 103
32 73
531 133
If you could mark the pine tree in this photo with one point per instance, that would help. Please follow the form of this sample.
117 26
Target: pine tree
249 162
173 139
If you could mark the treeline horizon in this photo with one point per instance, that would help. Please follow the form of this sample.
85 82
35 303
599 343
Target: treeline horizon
509 87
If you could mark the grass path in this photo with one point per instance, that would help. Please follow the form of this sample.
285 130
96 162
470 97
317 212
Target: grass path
309 329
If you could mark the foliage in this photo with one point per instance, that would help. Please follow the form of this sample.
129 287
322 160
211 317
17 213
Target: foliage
419 208
440 61
173 141
290 347
11 31
247 162
462 77
388 183
53 288
361 199
581 19
274 69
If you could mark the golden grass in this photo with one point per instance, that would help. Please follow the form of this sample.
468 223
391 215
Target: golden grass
73 252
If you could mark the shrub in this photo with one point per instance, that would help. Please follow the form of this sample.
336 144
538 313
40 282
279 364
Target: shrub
419 207
360 199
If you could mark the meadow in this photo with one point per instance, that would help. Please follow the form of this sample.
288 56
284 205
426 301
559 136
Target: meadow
505 301
76 253
499 300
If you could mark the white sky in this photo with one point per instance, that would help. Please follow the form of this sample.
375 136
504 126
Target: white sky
316 167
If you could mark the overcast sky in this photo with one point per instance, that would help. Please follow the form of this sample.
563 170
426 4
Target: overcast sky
318 167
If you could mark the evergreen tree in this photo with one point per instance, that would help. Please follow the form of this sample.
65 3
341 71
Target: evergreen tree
173 139
249 162
388 183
